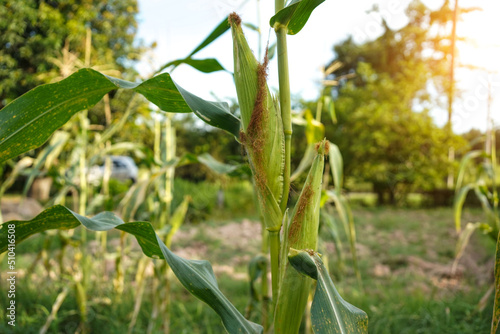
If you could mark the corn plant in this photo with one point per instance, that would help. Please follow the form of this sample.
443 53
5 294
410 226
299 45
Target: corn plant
483 178
265 131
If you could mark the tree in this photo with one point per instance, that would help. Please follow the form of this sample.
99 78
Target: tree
34 33
384 130
385 142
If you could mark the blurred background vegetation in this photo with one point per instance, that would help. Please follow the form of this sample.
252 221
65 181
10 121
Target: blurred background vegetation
397 163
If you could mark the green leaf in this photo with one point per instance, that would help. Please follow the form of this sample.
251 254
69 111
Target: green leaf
463 165
330 313
463 240
337 166
221 28
295 15
458 203
344 210
46 157
28 121
18 168
222 168
214 113
329 223
207 65
196 276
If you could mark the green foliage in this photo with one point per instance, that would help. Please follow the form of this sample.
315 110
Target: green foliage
330 313
36 32
394 145
295 15
384 130
30 120
196 276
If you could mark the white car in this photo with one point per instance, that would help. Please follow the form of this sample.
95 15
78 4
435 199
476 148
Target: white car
123 168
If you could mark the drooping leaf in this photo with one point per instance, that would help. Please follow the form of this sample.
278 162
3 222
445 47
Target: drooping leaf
18 168
483 194
28 121
216 166
463 166
458 203
329 223
214 113
344 210
196 276
463 240
46 158
295 15
330 313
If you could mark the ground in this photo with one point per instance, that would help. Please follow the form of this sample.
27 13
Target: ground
405 259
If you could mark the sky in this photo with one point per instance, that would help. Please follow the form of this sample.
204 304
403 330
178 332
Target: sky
178 27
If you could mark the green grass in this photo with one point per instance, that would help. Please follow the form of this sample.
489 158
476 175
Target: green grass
405 255
405 258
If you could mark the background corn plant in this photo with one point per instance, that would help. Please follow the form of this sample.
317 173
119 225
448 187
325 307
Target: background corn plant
481 179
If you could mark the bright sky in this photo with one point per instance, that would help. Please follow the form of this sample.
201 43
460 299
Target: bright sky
179 26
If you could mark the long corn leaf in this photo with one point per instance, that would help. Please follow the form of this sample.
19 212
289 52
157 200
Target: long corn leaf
196 276
28 121
330 313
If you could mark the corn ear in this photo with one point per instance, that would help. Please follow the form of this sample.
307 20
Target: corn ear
300 233
262 128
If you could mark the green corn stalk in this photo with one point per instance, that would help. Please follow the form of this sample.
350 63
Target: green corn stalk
301 233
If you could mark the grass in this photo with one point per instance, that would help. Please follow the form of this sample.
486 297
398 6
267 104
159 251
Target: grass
405 257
